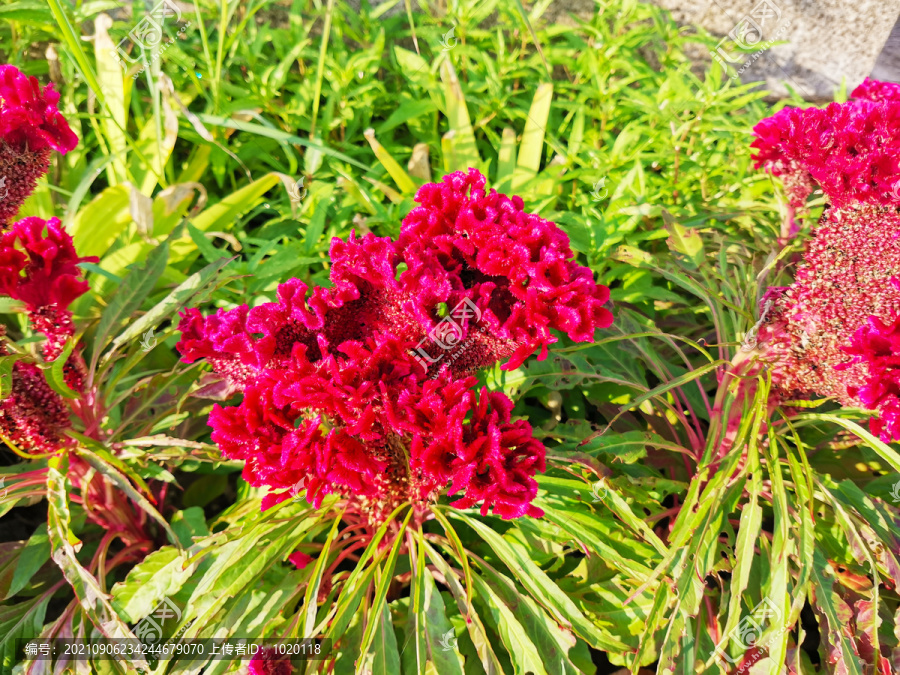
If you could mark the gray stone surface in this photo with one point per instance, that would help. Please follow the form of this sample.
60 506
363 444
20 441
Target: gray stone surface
887 67
826 42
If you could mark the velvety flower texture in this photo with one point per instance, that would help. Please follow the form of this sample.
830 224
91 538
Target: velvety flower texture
843 280
39 266
849 150
829 333
365 389
31 126
876 345
33 417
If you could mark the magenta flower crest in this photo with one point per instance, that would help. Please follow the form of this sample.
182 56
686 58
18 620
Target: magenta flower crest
356 390
31 126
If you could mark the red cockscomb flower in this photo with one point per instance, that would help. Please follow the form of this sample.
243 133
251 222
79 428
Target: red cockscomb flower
39 266
365 389
874 90
849 150
831 333
31 126
876 345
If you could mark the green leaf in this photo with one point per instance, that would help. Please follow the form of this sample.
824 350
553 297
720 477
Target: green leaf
437 629
222 215
114 476
406 184
532 147
278 135
685 241
20 621
843 656
887 453
474 625
7 362
32 557
135 288
310 597
209 252
544 590
384 646
55 374
381 587
522 652
62 546
176 300
97 225
161 574
462 137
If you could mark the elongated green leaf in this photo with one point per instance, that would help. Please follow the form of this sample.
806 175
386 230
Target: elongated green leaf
32 557
836 640
684 241
92 598
887 453
135 288
541 586
114 476
384 645
474 625
55 374
176 300
381 589
222 215
465 152
161 574
20 622
278 135
532 147
522 652
97 225
310 598
406 184
438 634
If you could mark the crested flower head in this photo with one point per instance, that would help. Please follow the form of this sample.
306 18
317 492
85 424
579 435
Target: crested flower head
833 331
39 266
876 346
874 90
366 389
851 151
31 126
514 266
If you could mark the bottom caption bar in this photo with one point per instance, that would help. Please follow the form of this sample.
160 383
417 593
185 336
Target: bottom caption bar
164 650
